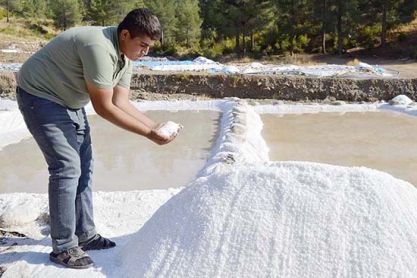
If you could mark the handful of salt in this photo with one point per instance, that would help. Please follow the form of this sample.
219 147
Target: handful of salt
169 128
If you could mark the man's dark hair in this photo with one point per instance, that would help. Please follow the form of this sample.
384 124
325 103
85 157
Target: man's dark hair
141 22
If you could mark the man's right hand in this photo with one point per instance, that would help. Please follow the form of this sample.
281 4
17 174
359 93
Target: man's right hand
156 137
102 100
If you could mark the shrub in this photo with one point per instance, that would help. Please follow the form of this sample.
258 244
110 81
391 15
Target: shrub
3 13
402 37
369 36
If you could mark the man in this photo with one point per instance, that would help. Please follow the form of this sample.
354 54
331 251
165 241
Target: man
79 65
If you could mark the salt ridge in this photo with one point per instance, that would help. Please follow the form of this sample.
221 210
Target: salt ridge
218 227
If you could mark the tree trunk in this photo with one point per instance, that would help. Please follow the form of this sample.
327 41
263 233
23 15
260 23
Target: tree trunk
292 33
244 44
339 27
292 36
384 23
7 12
323 28
64 17
237 47
252 42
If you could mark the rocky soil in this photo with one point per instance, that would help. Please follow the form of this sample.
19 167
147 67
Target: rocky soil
164 86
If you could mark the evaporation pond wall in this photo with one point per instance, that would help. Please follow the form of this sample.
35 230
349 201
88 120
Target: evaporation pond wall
386 141
122 160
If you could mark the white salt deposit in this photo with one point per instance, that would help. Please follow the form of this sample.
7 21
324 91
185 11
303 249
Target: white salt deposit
9 50
12 127
10 67
400 100
7 105
169 129
207 65
245 216
281 220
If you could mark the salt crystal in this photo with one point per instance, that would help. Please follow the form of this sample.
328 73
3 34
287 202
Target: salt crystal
169 128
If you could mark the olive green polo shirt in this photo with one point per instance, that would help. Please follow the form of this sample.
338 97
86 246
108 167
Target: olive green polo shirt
59 70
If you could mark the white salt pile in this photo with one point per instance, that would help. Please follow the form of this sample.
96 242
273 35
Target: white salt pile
169 128
400 100
281 220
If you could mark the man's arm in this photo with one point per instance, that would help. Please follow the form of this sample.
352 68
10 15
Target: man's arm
121 100
102 100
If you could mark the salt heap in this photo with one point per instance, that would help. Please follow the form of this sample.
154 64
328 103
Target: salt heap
281 219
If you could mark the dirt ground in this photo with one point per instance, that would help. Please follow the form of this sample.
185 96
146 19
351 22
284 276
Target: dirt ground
25 48
406 67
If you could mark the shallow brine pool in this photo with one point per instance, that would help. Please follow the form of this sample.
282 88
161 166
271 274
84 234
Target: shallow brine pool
122 160
385 141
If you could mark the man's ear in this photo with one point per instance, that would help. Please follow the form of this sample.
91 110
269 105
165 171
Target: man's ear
124 34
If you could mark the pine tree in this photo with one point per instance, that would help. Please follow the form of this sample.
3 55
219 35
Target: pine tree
390 13
66 13
102 11
34 8
12 6
189 22
294 19
166 13
238 18
259 16
123 7
322 20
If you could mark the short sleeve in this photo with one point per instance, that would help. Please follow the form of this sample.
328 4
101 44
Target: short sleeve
126 77
97 65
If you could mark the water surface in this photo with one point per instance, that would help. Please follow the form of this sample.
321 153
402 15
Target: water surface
385 141
122 160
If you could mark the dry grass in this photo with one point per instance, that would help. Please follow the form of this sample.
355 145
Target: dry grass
26 35
19 29
354 62
407 28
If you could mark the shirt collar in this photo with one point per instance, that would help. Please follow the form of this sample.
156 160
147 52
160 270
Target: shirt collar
116 44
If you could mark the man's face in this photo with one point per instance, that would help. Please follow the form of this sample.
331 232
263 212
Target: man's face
135 48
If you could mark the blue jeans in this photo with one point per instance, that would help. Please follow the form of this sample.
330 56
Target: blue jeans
63 135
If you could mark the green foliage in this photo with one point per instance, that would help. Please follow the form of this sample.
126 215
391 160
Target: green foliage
369 35
213 52
102 11
188 29
165 10
402 37
238 18
34 8
66 13
246 27
3 13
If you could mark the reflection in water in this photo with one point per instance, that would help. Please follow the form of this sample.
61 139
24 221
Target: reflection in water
385 141
122 160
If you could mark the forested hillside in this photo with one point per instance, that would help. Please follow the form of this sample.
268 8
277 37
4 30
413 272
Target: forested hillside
246 27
